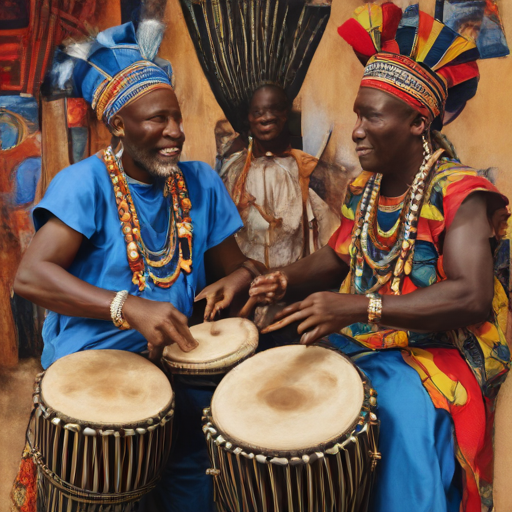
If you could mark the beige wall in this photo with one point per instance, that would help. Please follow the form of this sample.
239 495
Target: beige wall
199 107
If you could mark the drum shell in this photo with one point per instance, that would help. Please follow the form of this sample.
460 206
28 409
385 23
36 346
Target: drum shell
336 476
80 462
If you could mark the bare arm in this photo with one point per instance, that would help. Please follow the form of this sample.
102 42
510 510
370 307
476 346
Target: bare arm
322 270
43 279
464 298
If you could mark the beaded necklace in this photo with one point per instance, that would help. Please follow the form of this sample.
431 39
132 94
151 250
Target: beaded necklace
176 254
365 247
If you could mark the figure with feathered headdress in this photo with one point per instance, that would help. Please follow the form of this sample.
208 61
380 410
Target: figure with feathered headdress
122 245
255 56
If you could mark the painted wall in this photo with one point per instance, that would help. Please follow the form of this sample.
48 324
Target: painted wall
34 140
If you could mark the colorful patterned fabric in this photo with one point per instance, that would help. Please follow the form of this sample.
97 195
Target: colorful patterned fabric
414 57
114 69
484 348
128 85
408 80
24 490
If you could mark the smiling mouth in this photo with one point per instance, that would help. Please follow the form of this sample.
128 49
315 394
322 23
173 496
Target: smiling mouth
169 151
267 127
363 151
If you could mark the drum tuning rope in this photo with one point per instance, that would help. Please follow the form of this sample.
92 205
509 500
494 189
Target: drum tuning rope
80 462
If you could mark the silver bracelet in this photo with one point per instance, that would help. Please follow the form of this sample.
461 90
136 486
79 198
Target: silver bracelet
374 308
116 310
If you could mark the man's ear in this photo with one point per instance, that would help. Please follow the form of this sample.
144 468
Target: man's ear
419 125
117 126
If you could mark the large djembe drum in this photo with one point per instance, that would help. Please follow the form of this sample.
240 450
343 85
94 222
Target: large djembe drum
293 429
100 432
222 345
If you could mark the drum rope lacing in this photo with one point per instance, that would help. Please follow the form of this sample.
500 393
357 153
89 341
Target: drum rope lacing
71 491
367 417
241 476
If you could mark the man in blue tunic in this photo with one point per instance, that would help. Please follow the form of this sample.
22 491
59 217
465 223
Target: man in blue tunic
124 236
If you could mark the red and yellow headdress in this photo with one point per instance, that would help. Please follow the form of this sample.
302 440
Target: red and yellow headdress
414 57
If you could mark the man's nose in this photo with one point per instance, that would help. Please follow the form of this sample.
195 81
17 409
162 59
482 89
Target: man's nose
358 132
268 116
173 129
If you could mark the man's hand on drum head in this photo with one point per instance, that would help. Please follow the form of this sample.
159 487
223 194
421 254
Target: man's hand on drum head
321 314
160 323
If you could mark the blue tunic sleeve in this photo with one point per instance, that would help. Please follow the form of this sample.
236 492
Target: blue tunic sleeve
224 217
214 214
75 197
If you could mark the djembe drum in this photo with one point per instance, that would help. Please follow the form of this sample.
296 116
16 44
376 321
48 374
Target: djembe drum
293 429
100 432
222 345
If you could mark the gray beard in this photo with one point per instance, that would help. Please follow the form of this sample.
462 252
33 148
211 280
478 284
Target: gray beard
152 165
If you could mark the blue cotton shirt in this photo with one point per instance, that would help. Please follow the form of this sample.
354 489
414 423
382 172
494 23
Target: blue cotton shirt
82 197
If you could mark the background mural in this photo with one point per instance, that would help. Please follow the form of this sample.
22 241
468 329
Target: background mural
476 19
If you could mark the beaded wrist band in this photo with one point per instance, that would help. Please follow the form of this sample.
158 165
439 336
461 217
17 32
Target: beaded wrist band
116 310
374 308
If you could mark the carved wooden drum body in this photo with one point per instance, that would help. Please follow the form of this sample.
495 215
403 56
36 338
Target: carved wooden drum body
101 431
222 345
293 429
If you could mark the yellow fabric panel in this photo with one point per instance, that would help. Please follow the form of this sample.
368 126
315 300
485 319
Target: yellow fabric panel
348 213
460 45
423 362
430 212
424 46
369 17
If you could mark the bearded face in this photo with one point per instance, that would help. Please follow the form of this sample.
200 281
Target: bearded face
153 132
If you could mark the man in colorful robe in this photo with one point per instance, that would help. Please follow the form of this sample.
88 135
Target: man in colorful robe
424 301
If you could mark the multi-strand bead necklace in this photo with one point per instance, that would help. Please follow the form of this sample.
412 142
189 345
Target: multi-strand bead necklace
179 230
397 262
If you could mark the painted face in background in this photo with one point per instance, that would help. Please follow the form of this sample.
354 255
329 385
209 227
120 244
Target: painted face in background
268 113
153 133
383 130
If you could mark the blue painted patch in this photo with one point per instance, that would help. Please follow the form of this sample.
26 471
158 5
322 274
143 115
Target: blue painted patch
19 118
25 107
27 176
469 18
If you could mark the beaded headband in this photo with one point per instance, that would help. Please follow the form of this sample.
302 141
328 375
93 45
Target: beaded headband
127 86
414 57
115 68
401 76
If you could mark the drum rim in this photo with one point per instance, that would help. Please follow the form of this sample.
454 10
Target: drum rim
363 419
215 366
218 365
50 413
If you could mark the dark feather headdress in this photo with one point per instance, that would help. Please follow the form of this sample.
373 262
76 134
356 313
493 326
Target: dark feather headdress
244 44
